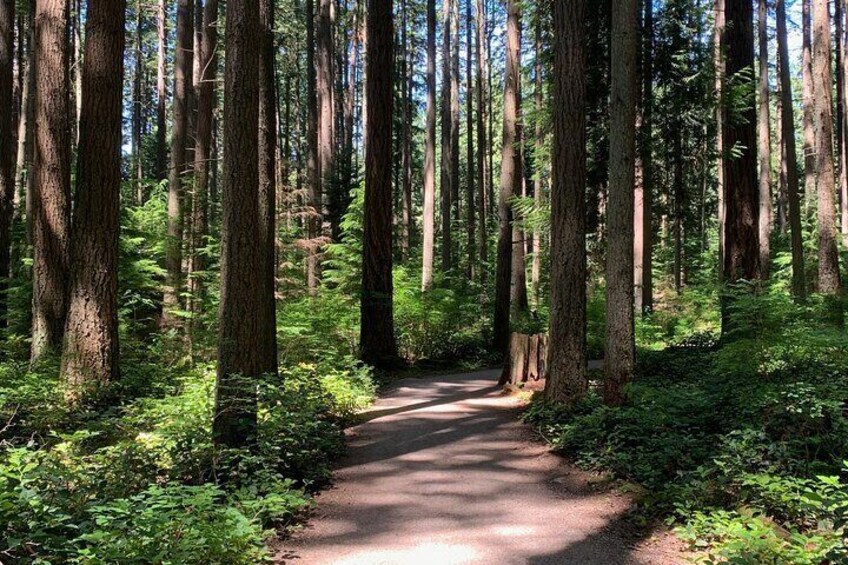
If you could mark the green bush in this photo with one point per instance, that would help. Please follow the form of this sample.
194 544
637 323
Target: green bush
741 445
172 524
137 482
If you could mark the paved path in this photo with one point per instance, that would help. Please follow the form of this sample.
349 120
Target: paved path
443 473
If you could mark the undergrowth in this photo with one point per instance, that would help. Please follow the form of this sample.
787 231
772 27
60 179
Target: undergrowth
741 447
138 483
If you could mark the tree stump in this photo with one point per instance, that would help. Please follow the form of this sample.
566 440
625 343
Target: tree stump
526 360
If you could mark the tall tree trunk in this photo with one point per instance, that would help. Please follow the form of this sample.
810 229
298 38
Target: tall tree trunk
741 261
808 118
313 159
566 370
429 227
720 64
454 112
241 259
18 58
286 197
162 91
620 357
297 197
842 70
7 147
519 300
490 114
446 191
829 278
782 213
364 99
90 356
203 161
764 142
406 137
350 99
643 201
76 69
377 340
839 50
326 107
510 178
52 183
678 191
183 62
470 213
26 132
267 348
538 186
482 139
787 124
137 171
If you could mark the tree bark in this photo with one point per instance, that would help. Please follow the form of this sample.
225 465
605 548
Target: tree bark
839 50
490 113
137 171
764 142
787 124
429 227
720 64
566 370
267 349
7 147
679 195
377 341
829 277
470 212
842 69
407 86
75 69
782 212
183 64
842 124
482 139
26 134
203 162
350 100
446 190
519 300
538 182
90 356
808 118
326 107
620 357
741 260
454 113
162 92
241 259
643 202
313 159
52 183
510 178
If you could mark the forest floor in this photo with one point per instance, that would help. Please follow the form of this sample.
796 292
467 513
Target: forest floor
443 472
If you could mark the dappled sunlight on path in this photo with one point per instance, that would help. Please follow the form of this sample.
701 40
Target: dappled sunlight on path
443 473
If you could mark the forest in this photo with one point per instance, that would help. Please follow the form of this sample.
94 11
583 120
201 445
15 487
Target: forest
264 262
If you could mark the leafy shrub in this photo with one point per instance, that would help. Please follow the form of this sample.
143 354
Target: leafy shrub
136 484
172 523
741 445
